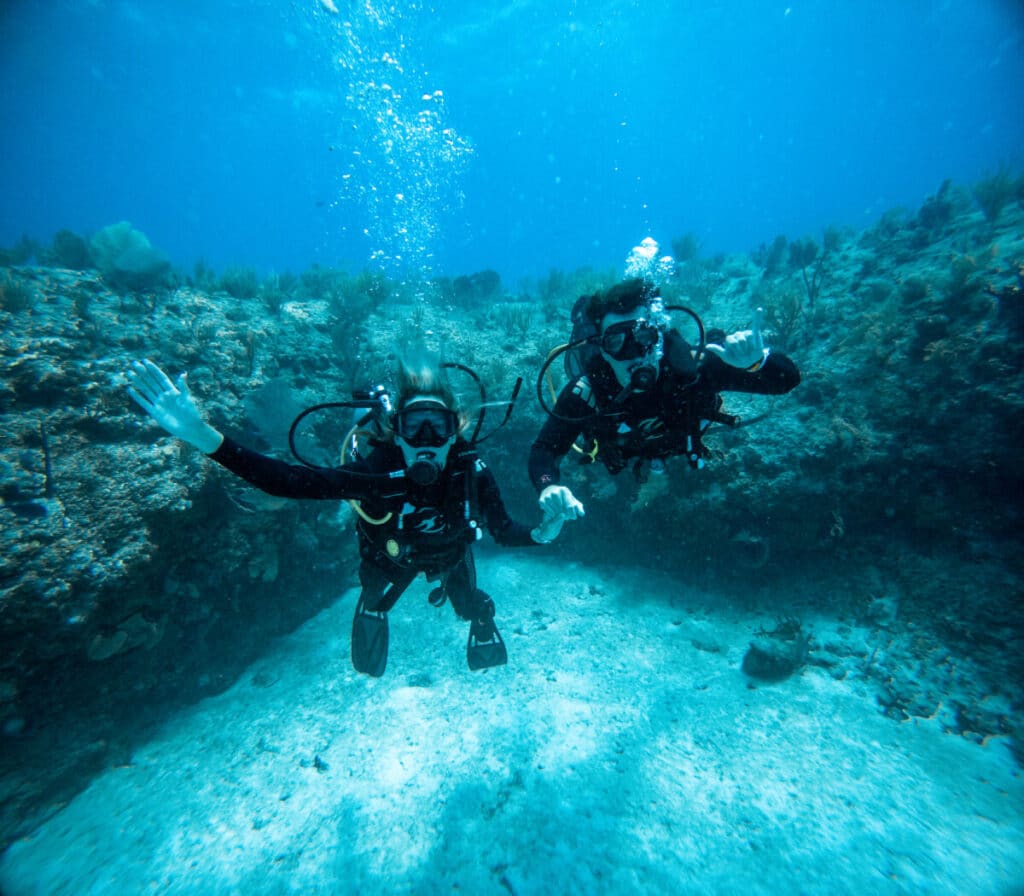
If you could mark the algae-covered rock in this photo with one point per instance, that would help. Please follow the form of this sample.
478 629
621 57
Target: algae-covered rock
777 654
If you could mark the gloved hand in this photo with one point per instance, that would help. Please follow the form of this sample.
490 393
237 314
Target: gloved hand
558 504
745 348
171 405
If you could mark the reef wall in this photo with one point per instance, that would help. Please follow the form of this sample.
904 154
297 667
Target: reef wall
135 572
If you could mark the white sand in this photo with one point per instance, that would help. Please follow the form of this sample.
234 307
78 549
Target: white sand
610 756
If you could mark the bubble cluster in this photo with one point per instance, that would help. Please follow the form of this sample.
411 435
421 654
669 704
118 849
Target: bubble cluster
403 161
643 261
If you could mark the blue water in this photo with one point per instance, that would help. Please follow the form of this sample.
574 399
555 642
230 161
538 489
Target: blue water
519 136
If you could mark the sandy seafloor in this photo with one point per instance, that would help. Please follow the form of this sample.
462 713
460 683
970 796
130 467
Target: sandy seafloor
622 750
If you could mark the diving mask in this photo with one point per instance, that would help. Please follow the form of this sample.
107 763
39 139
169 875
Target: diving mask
425 429
425 425
629 339
632 345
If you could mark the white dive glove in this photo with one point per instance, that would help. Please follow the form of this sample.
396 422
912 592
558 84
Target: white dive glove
746 348
171 405
558 504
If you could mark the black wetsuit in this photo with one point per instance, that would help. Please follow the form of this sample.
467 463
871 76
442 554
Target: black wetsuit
428 529
664 422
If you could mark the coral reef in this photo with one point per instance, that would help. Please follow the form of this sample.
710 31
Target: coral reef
134 572
126 259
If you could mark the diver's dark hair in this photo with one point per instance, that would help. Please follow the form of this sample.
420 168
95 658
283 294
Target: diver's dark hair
620 298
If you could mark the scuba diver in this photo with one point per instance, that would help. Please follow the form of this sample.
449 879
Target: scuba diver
419 493
639 392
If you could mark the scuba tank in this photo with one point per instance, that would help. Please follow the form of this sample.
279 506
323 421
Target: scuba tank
371 420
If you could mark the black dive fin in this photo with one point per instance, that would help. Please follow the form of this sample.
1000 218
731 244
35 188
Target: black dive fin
485 647
369 641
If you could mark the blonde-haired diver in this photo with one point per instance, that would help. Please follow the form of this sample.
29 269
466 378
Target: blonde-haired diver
421 492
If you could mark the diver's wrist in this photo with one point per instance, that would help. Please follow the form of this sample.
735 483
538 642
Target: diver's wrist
759 363
208 440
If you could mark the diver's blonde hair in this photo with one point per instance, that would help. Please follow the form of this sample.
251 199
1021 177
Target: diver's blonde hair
420 373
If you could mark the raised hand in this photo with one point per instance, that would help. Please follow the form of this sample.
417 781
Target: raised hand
171 405
558 504
745 348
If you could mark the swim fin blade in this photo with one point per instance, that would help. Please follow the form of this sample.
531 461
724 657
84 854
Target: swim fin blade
369 641
485 647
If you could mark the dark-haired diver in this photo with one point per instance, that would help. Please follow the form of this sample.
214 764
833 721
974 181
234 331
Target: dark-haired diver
638 392
419 494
